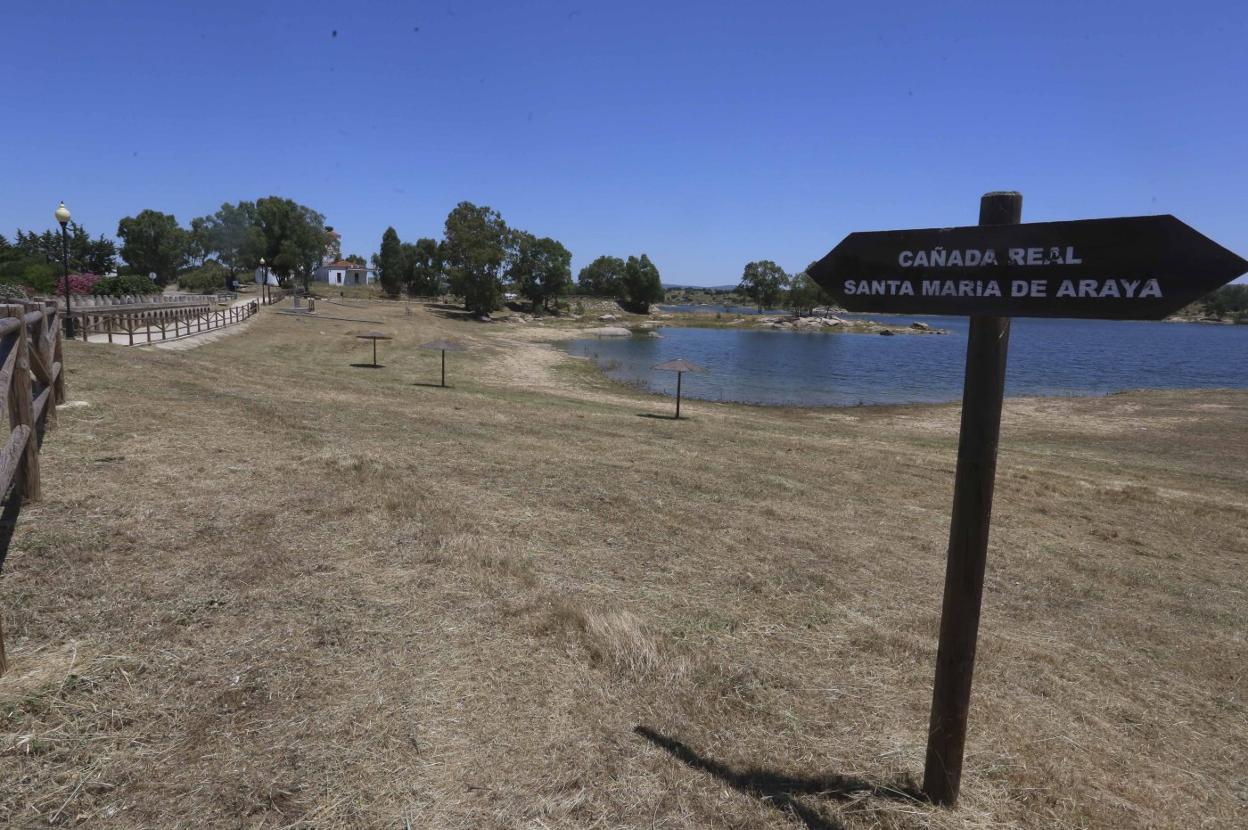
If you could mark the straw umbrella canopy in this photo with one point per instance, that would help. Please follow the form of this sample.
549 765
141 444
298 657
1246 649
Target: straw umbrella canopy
374 336
444 346
679 366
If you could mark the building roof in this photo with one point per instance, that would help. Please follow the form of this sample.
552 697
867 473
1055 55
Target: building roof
342 263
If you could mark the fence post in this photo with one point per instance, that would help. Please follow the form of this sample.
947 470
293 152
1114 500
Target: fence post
54 320
22 413
43 348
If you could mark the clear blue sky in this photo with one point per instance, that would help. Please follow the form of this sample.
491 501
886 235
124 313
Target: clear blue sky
705 134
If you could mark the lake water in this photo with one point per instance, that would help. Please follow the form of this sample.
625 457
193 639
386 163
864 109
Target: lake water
1047 357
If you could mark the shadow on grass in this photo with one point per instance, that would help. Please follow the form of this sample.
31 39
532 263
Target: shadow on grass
368 365
432 385
781 790
658 417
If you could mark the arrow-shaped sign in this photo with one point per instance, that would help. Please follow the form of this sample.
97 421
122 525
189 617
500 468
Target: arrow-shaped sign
1140 267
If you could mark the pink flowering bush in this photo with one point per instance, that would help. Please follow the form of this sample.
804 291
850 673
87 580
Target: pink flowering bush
82 283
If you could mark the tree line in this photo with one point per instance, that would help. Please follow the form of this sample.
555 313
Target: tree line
481 259
769 286
34 259
291 239
1228 302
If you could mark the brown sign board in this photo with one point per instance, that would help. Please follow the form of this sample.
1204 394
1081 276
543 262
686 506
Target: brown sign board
1132 268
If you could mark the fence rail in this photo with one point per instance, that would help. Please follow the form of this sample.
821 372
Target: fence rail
136 326
33 382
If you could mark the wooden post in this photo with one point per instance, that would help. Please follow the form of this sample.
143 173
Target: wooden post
58 356
983 390
678 377
444 368
46 357
22 413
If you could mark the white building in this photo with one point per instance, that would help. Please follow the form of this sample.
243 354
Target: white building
335 270
343 272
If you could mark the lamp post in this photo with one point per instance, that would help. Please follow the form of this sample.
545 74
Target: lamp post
62 216
264 280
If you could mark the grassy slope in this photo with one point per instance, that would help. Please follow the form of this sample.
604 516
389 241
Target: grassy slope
268 589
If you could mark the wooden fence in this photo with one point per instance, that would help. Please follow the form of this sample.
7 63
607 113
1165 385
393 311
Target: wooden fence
151 324
33 383
273 295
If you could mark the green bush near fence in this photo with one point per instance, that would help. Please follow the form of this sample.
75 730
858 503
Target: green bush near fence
121 286
208 279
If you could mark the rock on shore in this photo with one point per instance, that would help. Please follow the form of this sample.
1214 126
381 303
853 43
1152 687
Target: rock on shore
831 323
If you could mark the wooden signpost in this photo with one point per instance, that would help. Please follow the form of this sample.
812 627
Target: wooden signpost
1142 267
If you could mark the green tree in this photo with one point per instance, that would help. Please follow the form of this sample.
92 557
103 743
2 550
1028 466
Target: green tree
389 262
604 277
475 254
422 267
540 269
1229 300
292 239
764 282
198 241
45 246
357 259
233 236
641 286
153 242
98 256
805 295
95 256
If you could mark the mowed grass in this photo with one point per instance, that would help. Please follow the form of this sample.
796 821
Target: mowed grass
268 589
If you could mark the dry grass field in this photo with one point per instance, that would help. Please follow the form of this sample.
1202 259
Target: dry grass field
270 589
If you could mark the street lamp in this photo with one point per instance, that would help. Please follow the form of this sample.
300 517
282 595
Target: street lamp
264 280
62 216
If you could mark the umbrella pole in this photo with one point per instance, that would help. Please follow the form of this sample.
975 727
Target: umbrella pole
444 368
678 377
374 352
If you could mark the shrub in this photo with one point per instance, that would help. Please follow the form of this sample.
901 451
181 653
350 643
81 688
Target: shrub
82 283
13 291
38 276
208 279
121 286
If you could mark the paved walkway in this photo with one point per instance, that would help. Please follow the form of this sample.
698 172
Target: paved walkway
150 336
